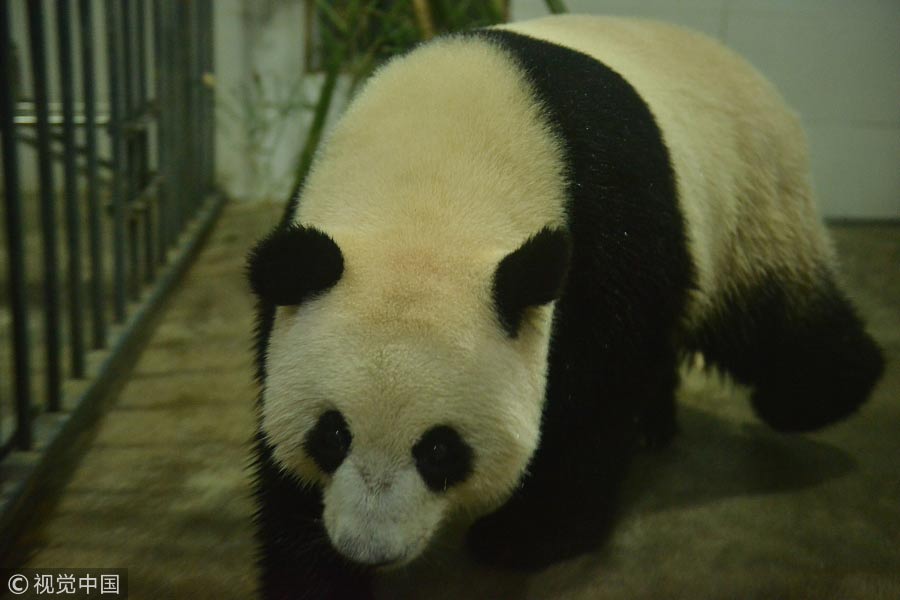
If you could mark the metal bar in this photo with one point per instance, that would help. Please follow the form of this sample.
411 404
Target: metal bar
198 95
143 140
116 109
15 246
210 92
190 57
190 91
143 115
141 41
177 150
72 209
200 117
55 119
62 437
98 315
146 196
132 166
195 114
126 42
209 96
48 217
58 154
150 242
200 49
162 86
181 44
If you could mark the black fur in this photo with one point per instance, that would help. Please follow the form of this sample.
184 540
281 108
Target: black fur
329 441
296 559
612 369
442 458
810 361
531 276
612 364
293 263
612 374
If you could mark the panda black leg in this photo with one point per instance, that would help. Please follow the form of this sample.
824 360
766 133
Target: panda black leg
822 367
807 356
658 429
657 421
295 558
567 503
550 519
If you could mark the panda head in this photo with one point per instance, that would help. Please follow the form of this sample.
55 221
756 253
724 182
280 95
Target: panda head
404 381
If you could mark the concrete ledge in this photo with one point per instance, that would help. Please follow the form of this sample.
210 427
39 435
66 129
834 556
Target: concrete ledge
61 438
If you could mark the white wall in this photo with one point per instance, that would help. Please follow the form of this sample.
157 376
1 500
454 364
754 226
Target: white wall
264 97
259 74
836 61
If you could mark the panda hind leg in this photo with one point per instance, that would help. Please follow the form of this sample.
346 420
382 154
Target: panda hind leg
805 353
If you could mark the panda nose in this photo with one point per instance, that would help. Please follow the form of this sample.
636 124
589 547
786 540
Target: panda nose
375 482
366 554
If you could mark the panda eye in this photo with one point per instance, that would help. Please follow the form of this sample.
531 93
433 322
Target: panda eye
329 441
442 458
438 452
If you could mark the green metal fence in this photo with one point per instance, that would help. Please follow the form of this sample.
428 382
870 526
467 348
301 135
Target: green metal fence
117 98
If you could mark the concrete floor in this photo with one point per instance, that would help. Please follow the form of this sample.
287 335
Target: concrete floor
732 510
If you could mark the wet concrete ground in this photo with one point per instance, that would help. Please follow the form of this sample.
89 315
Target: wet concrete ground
731 510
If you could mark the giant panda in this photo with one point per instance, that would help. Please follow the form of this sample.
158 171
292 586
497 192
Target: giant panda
475 309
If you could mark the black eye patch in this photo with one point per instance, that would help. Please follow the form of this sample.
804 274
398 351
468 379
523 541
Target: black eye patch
329 441
442 458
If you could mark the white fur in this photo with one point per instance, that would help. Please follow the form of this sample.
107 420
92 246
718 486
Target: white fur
379 512
440 168
738 152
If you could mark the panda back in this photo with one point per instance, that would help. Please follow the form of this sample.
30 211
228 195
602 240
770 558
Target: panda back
443 150
737 151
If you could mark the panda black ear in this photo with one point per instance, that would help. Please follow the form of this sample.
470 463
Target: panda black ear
292 263
533 275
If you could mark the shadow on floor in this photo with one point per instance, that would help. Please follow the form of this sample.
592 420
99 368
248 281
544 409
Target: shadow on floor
736 459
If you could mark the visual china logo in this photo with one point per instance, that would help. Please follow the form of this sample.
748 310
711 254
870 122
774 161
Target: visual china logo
67 583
